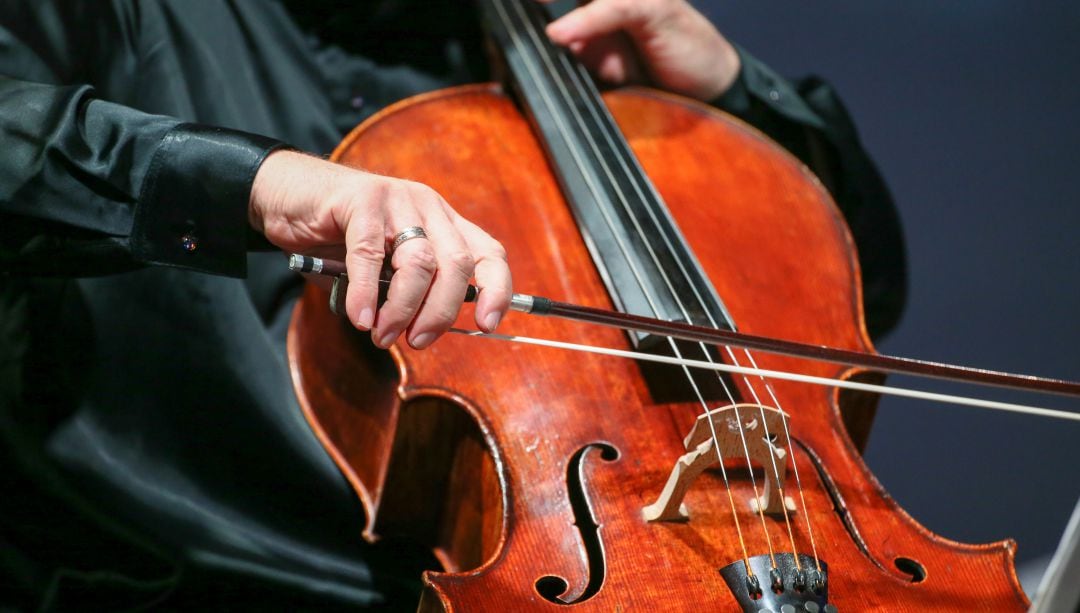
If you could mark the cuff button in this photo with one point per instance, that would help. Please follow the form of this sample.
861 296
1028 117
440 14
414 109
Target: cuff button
189 242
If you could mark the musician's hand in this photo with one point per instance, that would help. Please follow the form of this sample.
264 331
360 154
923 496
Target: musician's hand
665 43
307 205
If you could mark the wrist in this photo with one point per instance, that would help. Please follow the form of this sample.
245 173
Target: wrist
731 66
268 185
191 204
721 71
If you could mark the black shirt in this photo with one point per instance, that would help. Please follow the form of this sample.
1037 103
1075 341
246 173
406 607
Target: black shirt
147 411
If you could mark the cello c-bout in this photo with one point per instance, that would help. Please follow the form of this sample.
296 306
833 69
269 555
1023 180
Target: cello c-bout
530 472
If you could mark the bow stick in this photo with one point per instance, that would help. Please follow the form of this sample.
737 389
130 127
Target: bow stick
537 305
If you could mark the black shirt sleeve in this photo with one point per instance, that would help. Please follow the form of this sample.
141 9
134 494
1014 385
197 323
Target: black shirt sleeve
90 187
808 119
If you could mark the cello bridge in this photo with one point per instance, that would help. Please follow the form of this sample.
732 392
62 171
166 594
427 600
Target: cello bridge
765 443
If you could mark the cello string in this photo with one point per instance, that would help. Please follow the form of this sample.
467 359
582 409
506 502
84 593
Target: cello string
500 9
968 401
544 51
587 82
583 79
772 455
592 103
641 193
588 94
794 466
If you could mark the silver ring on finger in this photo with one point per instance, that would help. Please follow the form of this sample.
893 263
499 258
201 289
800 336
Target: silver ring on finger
406 235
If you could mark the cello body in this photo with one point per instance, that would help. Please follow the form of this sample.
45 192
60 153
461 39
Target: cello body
526 469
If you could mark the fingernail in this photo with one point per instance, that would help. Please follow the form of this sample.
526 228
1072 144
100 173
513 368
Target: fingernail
422 340
492 321
367 317
387 339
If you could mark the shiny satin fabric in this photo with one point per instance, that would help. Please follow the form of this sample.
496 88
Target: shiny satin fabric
153 409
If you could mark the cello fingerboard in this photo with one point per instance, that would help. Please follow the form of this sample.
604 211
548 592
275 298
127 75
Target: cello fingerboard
639 251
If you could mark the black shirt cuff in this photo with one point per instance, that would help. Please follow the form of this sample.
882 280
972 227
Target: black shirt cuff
192 207
759 87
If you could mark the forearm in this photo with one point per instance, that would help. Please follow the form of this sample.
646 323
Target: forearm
91 187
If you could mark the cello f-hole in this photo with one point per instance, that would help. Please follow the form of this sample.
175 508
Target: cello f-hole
912 568
552 588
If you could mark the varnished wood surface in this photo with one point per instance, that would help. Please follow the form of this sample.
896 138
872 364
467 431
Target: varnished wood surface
466 445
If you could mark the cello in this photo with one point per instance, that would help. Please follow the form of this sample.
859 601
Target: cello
541 481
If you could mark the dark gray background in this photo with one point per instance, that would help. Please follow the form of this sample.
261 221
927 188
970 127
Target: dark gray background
969 109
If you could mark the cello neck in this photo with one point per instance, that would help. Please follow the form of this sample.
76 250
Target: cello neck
640 252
